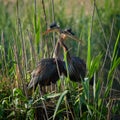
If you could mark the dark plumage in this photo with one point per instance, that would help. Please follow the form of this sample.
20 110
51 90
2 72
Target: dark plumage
49 70
77 69
76 66
46 72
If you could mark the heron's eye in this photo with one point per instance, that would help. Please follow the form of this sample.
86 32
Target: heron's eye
69 30
53 25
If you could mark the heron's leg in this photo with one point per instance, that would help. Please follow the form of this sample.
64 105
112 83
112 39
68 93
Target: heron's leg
40 90
80 87
41 94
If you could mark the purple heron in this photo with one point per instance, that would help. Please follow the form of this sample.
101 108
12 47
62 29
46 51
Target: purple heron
76 66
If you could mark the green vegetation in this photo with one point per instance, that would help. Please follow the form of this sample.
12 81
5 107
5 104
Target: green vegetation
22 46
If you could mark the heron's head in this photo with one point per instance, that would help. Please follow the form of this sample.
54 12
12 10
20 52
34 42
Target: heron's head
54 27
67 33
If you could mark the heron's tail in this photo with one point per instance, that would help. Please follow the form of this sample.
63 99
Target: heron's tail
33 83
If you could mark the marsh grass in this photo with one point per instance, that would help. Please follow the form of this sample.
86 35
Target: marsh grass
22 46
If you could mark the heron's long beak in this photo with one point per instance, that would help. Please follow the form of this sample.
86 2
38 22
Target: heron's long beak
63 34
49 30
67 34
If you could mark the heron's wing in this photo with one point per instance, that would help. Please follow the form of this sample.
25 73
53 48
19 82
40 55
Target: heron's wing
80 67
35 77
43 73
51 71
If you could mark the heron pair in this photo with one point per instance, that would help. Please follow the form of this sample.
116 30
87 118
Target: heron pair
49 70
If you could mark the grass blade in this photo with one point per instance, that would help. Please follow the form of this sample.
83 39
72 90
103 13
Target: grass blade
59 102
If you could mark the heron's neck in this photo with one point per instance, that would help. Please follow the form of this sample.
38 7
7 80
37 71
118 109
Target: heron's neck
56 53
65 50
